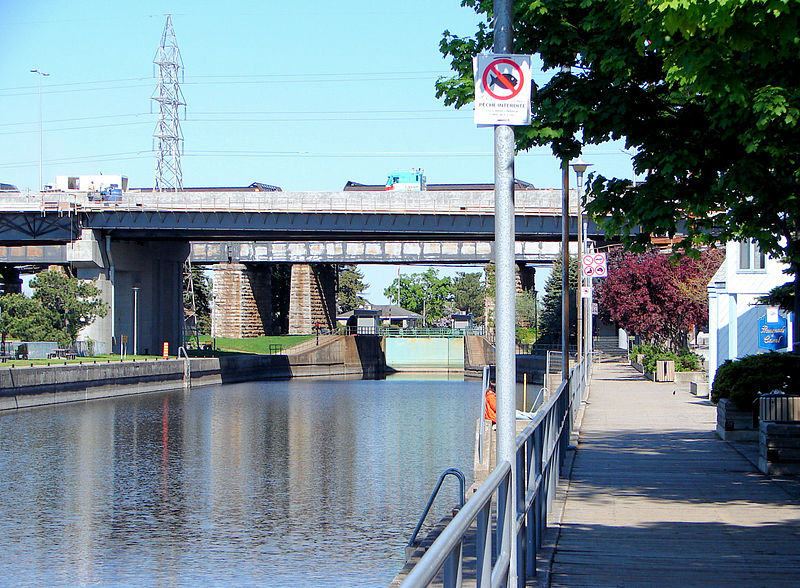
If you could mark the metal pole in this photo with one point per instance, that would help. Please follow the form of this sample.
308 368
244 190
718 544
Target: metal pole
584 329
564 269
505 288
135 320
579 169
40 75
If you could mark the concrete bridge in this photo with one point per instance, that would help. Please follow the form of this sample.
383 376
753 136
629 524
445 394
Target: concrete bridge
141 242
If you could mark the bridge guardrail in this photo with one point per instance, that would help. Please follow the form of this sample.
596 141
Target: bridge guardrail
541 450
423 202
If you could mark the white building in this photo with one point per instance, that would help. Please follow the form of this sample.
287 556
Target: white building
91 183
733 313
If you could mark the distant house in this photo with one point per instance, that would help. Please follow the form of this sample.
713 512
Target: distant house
462 321
733 314
389 315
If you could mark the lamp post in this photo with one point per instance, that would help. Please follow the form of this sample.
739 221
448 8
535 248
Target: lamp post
580 167
40 74
135 320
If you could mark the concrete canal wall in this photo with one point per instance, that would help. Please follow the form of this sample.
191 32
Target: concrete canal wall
22 387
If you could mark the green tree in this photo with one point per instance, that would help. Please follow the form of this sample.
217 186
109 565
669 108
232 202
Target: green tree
351 285
426 294
550 319
59 308
21 318
703 92
201 305
527 310
469 293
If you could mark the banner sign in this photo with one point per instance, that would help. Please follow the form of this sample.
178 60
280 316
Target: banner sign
772 331
502 89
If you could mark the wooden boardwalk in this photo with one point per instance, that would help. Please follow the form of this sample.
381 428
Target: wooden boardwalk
656 499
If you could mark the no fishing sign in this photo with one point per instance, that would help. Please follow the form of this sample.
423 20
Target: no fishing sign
502 89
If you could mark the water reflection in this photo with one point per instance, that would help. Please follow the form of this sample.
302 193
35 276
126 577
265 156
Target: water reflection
273 483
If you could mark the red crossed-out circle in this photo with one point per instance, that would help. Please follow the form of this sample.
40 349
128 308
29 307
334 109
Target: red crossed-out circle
503 79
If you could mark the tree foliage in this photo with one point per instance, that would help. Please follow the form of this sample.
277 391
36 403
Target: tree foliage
424 293
550 319
781 296
527 310
703 92
59 308
657 298
201 284
351 285
469 293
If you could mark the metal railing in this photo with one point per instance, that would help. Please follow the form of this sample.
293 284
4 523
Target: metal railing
541 449
411 331
543 348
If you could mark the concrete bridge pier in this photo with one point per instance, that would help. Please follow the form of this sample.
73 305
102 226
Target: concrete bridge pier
155 309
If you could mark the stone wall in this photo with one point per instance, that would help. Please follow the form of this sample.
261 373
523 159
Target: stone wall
242 301
312 297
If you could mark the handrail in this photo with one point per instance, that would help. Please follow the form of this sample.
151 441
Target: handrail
187 367
461 484
479 503
540 452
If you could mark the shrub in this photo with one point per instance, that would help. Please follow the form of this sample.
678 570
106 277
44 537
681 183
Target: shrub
685 361
744 379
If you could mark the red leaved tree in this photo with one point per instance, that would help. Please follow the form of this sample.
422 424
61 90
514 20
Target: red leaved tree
661 300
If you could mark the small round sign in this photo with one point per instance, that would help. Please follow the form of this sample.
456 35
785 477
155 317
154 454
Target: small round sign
503 79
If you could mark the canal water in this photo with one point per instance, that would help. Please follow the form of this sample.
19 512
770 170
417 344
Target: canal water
291 483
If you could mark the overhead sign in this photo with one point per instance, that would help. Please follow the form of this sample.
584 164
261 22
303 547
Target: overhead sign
502 89
772 331
594 265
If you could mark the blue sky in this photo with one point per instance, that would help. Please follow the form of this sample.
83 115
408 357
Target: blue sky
303 95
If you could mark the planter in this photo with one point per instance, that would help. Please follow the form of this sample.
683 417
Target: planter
699 389
665 370
779 448
734 424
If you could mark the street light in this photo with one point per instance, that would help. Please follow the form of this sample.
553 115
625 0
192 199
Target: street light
40 74
135 320
580 167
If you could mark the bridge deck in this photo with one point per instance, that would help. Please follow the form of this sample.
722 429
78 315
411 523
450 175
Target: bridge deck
656 499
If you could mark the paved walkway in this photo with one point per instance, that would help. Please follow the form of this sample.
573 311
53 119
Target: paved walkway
656 499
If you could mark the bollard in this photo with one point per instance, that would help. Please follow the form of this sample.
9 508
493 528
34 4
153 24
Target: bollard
165 350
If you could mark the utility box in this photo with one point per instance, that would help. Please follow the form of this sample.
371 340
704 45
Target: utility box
665 370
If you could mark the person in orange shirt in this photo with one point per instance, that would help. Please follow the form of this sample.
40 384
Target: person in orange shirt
490 410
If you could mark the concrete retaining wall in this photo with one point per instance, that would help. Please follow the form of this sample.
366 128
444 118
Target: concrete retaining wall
22 387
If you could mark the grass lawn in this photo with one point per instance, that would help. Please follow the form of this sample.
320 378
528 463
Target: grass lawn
222 346
253 344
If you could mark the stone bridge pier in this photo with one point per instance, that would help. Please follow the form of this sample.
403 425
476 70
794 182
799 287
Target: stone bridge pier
253 299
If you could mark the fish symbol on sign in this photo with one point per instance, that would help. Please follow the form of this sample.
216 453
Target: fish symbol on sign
496 81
